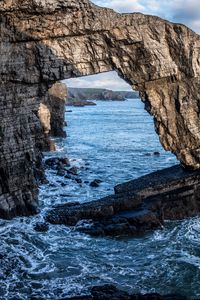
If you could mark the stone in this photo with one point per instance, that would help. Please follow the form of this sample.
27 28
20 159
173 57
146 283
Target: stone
111 292
44 42
41 227
95 183
61 172
156 153
57 162
78 180
73 170
138 206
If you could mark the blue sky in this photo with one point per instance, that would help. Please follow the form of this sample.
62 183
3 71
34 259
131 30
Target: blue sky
180 11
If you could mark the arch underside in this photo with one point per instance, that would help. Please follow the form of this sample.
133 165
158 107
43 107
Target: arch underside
43 42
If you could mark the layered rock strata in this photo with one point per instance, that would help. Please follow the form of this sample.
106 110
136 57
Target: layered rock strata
45 41
52 114
137 206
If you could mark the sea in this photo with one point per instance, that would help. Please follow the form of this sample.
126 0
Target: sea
114 141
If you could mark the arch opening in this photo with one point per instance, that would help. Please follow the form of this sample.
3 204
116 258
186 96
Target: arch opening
116 139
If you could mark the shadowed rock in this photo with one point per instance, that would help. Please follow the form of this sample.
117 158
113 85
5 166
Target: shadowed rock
44 41
110 292
138 206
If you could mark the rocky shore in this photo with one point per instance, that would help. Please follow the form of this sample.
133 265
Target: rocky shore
137 206
85 96
110 292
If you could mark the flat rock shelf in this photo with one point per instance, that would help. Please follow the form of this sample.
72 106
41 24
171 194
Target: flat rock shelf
137 206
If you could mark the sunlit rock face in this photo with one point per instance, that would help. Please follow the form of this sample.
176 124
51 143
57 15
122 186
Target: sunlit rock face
52 114
44 41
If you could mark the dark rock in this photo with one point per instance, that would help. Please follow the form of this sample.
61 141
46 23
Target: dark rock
156 153
56 162
73 171
41 227
52 185
139 205
80 103
51 162
61 172
95 183
110 292
65 161
78 180
148 154
67 176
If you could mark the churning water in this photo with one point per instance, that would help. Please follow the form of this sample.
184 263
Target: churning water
114 142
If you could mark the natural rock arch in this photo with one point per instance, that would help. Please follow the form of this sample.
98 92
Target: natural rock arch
44 41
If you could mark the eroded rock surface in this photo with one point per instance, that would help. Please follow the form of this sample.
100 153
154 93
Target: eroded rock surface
137 206
52 114
110 292
44 41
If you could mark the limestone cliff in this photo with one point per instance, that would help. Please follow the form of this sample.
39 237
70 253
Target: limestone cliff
52 114
82 94
44 41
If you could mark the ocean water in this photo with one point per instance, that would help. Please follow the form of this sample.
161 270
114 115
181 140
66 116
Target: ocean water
114 142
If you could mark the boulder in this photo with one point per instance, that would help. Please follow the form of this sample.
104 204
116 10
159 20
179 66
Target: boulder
111 292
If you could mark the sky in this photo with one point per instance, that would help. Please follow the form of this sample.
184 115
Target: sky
180 11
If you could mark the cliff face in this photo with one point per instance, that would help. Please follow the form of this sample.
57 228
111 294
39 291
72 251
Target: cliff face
44 41
79 94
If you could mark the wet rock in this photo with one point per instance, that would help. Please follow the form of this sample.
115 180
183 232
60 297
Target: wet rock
56 162
139 205
64 205
95 183
111 292
68 176
61 172
41 227
51 162
52 185
59 164
123 225
156 153
73 170
65 161
148 154
78 180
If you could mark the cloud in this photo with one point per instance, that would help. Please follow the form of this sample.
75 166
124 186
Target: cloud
121 5
108 80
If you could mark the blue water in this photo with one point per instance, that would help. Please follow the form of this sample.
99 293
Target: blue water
114 142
